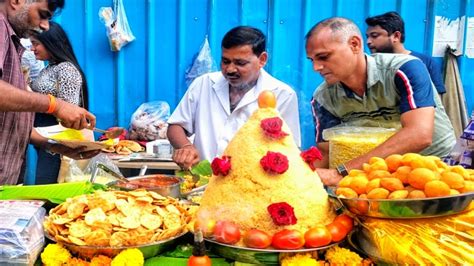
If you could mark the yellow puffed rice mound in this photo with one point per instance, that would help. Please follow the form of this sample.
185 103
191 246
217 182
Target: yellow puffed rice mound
245 193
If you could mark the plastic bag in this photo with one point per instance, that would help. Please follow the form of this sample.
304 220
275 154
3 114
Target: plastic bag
21 231
463 152
447 240
116 23
149 121
202 64
78 171
348 142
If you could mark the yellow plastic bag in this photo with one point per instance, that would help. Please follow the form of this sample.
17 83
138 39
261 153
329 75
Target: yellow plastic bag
447 240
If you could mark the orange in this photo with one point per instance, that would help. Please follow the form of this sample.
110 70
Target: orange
346 192
374 183
399 194
391 184
266 99
468 187
454 180
436 188
377 163
393 162
359 183
416 194
419 177
355 172
460 170
378 193
345 182
402 173
378 174
453 192
407 158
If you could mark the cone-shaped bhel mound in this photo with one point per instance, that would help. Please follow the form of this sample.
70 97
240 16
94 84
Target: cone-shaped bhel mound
242 193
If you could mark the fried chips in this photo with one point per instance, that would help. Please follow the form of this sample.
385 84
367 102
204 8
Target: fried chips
117 219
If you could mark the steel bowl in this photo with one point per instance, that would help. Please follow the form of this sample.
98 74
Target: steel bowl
149 250
173 189
254 255
406 208
362 245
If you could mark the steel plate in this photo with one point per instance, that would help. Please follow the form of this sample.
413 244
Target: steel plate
407 208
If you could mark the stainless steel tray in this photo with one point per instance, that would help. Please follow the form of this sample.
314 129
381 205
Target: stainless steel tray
406 208
254 255
148 250
363 246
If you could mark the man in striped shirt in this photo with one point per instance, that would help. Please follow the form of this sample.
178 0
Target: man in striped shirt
379 89
17 19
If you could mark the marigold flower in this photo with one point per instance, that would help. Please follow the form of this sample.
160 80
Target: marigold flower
129 257
55 254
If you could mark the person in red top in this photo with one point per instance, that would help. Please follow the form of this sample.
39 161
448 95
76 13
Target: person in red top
17 19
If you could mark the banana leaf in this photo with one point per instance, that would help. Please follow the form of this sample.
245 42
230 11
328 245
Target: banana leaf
55 193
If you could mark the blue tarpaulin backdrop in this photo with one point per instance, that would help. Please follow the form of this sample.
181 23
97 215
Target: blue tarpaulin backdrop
169 34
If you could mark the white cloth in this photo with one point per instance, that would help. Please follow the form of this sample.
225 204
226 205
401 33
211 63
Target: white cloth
204 111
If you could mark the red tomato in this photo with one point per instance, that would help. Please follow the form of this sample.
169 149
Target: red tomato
199 261
288 239
338 231
255 238
317 237
346 221
226 232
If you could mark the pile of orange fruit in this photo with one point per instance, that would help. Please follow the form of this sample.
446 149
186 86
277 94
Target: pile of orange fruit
407 176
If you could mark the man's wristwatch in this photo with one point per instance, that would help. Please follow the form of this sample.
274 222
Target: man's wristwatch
342 170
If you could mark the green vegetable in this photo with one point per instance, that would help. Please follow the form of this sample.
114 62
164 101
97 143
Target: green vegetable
169 261
392 210
55 193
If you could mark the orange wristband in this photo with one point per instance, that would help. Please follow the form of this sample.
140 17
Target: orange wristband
52 104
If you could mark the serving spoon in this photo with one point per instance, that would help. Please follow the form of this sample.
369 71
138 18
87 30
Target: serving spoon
111 133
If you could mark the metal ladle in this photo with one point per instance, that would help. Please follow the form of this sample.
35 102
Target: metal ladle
110 133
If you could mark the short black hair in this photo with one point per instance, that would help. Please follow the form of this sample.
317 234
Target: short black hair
245 35
57 43
390 21
53 5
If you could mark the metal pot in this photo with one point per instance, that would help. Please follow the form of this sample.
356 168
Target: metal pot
165 185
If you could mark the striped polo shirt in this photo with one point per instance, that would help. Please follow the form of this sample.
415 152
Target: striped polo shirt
395 84
15 127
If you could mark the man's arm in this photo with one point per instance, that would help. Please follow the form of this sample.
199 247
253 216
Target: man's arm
185 154
76 154
16 100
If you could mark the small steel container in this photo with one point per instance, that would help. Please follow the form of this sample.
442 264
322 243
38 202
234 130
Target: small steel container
165 185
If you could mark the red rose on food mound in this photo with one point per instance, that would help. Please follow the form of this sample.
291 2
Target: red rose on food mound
274 163
272 128
311 155
282 213
221 166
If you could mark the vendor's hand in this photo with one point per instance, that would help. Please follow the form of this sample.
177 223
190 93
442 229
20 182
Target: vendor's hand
329 177
73 116
186 157
76 154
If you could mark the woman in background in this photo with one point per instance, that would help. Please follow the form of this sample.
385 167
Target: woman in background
62 78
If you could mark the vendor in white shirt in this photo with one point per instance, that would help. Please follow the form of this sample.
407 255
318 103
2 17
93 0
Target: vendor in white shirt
217 104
